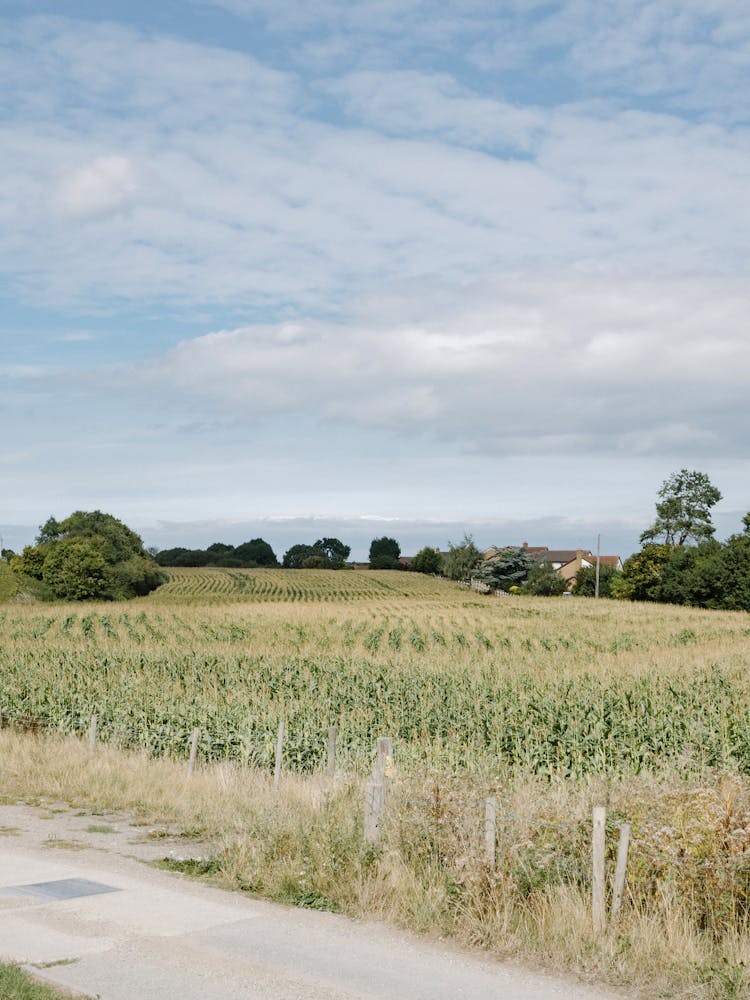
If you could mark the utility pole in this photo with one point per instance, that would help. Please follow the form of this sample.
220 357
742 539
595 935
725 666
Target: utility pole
598 545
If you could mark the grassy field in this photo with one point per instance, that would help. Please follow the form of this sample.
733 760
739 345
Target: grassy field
553 705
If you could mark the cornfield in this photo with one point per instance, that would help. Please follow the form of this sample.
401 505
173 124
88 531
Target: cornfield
473 684
551 705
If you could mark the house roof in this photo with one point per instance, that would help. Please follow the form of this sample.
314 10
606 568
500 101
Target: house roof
534 549
559 555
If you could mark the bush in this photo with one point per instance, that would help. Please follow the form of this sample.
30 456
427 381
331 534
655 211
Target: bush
427 560
544 581
585 581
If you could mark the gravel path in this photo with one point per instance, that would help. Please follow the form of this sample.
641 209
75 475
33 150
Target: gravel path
78 907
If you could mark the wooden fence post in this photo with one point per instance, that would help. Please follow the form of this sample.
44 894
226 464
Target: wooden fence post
92 734
331 761
277 765
383 768
598 909
193 752
374 803
620 873
490 829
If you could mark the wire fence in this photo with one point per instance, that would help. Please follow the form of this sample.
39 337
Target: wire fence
535 851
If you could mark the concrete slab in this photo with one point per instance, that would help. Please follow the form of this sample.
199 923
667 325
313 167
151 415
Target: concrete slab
63 888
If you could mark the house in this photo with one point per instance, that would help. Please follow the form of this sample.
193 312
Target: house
565 562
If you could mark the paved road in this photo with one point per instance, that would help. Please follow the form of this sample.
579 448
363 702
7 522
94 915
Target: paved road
96 921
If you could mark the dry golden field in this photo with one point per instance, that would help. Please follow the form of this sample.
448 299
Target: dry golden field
554 686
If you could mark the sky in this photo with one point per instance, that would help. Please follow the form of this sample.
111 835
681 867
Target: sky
363 267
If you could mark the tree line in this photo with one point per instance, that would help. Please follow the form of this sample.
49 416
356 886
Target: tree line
94 556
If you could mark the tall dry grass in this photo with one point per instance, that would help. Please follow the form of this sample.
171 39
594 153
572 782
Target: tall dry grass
681 935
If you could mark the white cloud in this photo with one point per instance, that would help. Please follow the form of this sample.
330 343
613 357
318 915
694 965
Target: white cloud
673 438
408 102
106 185
685 53
205 178
75 337
544 364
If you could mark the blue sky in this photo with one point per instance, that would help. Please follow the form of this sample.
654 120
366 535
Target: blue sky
371 267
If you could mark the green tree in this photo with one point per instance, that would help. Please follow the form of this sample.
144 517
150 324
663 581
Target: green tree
75 569
295 556
117 540
428 560
684 511
90 555
641 573
335 551
256 552
183 557
134 577
326 553
585 581
31 561
735 570
542 580
384 553
508 568
692 575
462 559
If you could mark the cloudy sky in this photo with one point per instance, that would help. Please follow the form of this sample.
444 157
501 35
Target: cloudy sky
364 267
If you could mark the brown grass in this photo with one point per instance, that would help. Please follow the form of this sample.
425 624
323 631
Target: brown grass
305 848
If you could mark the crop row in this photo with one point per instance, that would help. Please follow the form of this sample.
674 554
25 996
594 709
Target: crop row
469 718
387 635
293 585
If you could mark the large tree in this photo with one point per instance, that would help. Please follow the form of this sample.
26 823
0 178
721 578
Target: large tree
90 556
326 553
508 568
256 552
334 550
384 553
684 510
461 559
